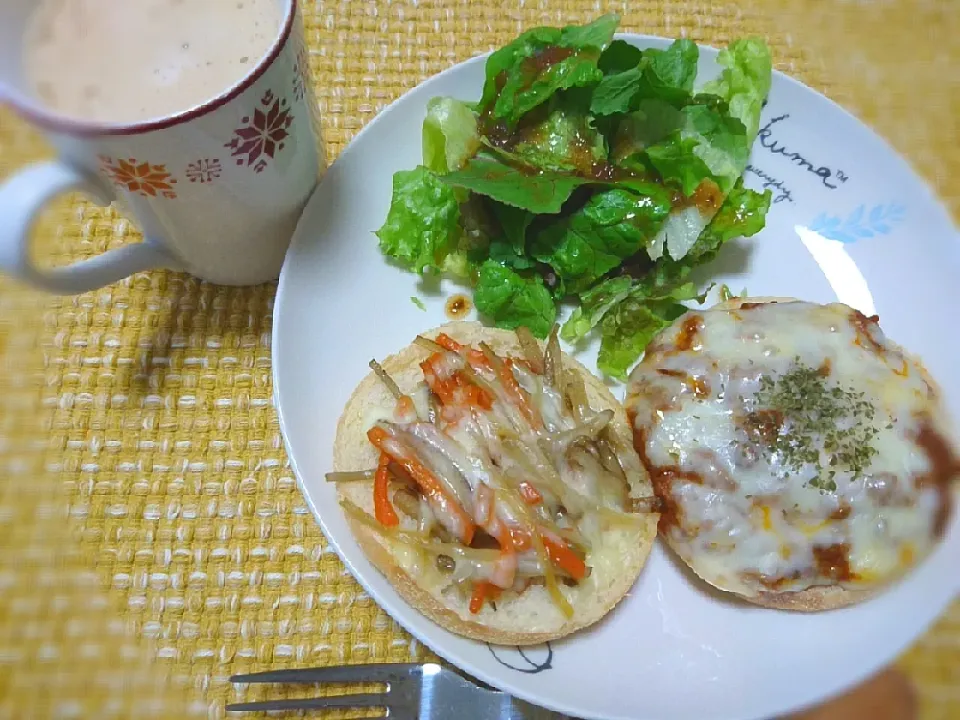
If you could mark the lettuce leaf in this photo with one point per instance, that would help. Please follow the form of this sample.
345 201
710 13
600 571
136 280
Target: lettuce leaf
651 122
619 57
708 154
450 134
669 74
681 231
594 304
540 192
708 137
423 223
612 226
745 81
666 76
742 214
629 326
616 93
722 144
511 300
630 312
500 199
517 99
686 146
509 247
596 35
708 145
477 232
542 61
565 139
677 160
508 58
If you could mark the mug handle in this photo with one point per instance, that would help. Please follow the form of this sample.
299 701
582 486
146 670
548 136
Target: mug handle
21 199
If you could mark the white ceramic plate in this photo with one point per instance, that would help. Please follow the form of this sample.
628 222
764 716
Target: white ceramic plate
850 222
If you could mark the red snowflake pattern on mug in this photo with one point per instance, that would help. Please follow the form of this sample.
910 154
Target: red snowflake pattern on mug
139 177
263 133
301 74
204 171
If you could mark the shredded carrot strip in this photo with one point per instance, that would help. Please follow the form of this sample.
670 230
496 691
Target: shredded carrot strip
550 578
562 556
453 390
472 395
486 517
432 488
382 507
448 343
521 539
530 495
476 358
405 406
439 386
482 591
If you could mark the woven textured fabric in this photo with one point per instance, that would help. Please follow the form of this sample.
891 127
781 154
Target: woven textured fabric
152 537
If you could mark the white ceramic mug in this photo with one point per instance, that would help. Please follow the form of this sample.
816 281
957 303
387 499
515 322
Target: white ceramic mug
217 189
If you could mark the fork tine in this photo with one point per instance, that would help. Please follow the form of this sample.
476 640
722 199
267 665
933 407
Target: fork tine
372 672
321 703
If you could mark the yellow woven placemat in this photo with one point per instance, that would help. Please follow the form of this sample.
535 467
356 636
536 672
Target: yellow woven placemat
152 539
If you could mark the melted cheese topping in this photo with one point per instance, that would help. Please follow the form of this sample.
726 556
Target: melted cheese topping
744 515
516 458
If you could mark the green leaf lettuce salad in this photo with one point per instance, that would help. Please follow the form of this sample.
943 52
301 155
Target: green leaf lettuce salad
589 171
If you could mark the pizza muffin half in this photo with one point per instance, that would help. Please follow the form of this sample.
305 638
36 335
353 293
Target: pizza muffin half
493 481
801 458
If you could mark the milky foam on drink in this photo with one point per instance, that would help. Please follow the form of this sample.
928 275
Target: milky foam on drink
133 60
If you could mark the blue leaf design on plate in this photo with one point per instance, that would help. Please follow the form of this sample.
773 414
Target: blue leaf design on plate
822 223
855 217
860 223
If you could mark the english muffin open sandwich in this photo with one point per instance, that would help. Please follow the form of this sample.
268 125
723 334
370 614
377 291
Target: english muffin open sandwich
494 482
802 459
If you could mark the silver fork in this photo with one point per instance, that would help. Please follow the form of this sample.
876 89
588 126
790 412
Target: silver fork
414 691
